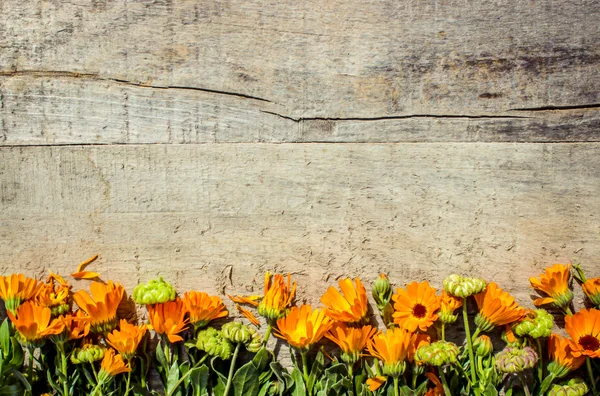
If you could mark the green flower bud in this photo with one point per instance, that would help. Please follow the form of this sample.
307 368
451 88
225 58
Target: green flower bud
557 369
447 317
382 291
255 342
155 291
515 360
394 369
483 346
575 387
536 325
236 332
89 353
212 342
483 324
464 287
437 353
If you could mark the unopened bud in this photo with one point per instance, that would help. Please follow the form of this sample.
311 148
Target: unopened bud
515 360
575 387
153 292
483 346
463 287
437 353
537 324
236 332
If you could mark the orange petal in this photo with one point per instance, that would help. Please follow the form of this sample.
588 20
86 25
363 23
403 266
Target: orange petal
248 315
85 275
82 265
245 300
376 382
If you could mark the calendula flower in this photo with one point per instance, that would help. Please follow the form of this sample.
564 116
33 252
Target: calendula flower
75 327
437 389
496 308
101 305
203 308
55 297
351 340
112 365
419 340
17 288
375 383
350 305
555 283
591 288
303 326
562 359
277 297
34 322
449 304
584 329
168 319
392 347
126 339
416 307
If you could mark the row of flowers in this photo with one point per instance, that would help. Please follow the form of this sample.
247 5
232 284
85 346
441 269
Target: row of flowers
90 342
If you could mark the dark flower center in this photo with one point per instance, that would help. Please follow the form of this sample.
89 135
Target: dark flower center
589 343
419 311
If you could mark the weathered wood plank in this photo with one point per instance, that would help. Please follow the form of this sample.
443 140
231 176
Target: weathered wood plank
189 212
46 109
307 59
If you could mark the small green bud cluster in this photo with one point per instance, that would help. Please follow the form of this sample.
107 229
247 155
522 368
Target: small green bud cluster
575 387
153 292
464 287
214 343
515 360
538 326
87 354
437 353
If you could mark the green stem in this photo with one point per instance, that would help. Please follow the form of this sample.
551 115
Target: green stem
190 371
588 363
97 388
414 377
568 311
64 369
396 386
540 363
232 369
127 383
525 387
267 333
444 382
30 367
305 370
443 331
546 385
350 371
469 342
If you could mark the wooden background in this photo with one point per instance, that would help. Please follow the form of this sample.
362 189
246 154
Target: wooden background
208 142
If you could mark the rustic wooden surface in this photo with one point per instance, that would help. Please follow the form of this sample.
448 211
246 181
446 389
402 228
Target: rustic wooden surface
209 142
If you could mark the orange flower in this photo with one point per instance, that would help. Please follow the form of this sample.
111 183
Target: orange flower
419 340
449 304
392 348
351 340
416 307
76 326
591 288
126 339
277 298
203 308
112 365
555 283
101 306
168 319
303 326
54 297
33 322
376 382
17 288
584 329
496 308
351 307
438 388
562 359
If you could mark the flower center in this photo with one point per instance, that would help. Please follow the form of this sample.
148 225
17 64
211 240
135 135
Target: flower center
589 343
419 311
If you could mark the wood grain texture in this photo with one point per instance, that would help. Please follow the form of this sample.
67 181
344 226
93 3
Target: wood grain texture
295 71
192 213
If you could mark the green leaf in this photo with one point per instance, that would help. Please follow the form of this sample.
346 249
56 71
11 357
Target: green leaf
21 378
299 386
316 371
261 360
172 379
245 381
265 388
5 337
18 357
12 390
161 357
284 380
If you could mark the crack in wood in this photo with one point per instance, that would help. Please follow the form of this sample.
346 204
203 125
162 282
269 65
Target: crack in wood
398 117
96 77
567 107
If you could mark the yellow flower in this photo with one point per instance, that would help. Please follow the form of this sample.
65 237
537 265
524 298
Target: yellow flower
17 288
168 319
416 307
584 329
112 365
591 288
277 298
203 308
126 339
351 307
303 326
351 340
33 322
555 283
392 348
496 308
101 306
